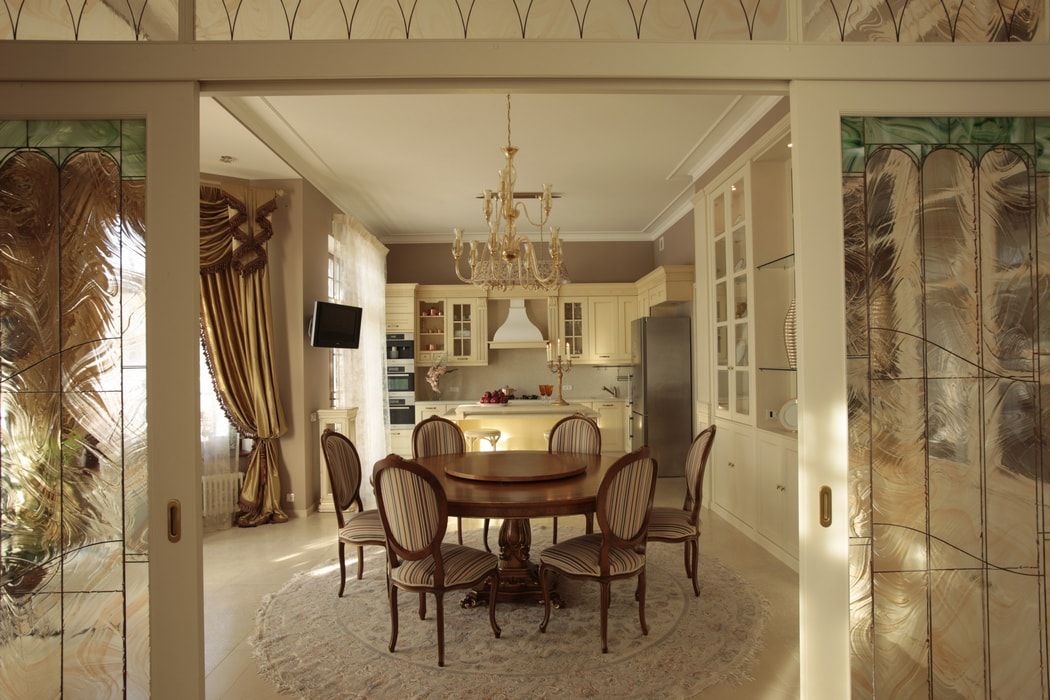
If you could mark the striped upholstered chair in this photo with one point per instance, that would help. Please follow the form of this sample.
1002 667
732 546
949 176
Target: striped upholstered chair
355 529
414 512
439 436
624 501
683 524
576 434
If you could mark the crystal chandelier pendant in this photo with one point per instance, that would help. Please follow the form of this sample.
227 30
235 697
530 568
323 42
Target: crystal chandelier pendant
509 259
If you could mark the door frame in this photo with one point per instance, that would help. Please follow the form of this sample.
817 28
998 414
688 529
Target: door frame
171 111
816 108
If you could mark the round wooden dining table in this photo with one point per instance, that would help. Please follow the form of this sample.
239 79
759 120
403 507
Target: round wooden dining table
517 485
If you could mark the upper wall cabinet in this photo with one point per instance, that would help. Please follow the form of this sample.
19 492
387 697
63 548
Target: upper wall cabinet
400 308
666 283
451 327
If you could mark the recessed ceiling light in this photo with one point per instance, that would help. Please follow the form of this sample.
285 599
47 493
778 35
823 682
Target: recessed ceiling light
227 159
790 145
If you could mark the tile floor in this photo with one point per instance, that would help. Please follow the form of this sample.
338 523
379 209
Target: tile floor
242 566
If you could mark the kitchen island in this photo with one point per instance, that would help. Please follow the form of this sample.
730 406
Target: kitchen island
522 423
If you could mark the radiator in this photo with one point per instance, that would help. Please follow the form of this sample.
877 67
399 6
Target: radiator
221 493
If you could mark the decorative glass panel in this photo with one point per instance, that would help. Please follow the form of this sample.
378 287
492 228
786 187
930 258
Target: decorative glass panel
74 604
969 21
946 220
720 258
656 20
90 20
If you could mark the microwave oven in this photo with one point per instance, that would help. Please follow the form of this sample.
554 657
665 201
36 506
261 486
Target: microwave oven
400 376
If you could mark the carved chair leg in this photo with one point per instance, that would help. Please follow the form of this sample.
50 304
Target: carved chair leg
392 597
546 597
360 562
459 530
342 568
696 565
555 536
641 602
590 523
439 599
605 615
688 560
493 594
422 606
486 536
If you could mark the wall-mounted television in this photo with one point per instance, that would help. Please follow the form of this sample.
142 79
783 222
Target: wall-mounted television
335 325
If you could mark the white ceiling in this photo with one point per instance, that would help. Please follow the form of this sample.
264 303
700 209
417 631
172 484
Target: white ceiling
409 166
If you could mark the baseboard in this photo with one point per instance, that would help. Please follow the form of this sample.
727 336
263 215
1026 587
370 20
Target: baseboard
756 537
303 512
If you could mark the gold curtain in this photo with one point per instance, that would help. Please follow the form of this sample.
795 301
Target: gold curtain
237 334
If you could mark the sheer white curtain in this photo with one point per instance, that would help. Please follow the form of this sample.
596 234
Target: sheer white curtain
362 277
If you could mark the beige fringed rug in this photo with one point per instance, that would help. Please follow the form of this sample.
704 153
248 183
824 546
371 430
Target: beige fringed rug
311 644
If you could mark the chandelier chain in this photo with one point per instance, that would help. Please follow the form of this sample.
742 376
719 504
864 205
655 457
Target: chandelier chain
508 120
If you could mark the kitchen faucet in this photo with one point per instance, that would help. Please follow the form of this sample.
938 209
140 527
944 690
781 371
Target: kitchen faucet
614 392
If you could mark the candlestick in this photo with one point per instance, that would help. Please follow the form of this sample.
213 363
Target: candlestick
559 368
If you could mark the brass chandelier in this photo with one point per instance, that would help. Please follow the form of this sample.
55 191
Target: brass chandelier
509 259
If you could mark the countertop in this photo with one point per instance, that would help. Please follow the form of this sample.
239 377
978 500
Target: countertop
521 408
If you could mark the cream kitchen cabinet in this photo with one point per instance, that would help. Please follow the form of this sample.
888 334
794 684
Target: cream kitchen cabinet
611 422
665 283
451 328
734 474
466 332
427 409
778 491
401 441
400 308
574 327
755 483
610 329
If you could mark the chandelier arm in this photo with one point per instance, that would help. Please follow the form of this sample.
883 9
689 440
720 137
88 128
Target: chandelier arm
551 280
525 210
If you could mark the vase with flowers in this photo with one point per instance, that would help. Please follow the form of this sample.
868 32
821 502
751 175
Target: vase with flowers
438 370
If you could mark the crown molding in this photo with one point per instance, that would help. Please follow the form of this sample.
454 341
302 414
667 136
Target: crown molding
566 236
671 214
744 113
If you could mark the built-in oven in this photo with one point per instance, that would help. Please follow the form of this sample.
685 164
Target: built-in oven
400 376
400 346
402 408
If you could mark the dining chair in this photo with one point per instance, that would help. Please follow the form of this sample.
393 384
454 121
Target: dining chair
683 524
575 434
624 503
440 436
355 529
414 512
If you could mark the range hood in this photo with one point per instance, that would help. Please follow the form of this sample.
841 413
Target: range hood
517 331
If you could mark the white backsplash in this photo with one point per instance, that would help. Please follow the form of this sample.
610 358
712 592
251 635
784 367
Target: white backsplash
523 370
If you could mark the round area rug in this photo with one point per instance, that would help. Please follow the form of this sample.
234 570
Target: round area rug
311 643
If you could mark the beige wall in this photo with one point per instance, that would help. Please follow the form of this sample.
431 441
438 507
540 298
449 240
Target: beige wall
298 261
760 129
679 246
610 261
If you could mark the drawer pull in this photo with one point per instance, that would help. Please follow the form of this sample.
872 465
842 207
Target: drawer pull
174 521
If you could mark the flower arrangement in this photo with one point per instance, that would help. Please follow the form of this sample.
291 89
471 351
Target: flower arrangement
438 370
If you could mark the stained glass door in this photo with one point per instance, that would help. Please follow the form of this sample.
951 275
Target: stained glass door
91 564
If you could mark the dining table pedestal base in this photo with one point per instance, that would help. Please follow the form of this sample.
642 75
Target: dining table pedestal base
519 578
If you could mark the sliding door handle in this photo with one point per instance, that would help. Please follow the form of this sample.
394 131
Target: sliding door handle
174 521
825 506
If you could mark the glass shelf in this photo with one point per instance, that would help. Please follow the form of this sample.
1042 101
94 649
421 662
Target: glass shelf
784 262
777 369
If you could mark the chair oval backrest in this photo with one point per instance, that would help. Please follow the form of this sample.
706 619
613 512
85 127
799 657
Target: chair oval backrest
576 434
411 504
437 436
625 497
695 466
344 468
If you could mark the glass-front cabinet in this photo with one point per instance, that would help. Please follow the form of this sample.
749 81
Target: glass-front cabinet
573 323
461 327
729 208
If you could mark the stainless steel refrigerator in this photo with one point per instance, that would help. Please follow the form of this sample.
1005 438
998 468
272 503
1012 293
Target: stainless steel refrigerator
662 390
